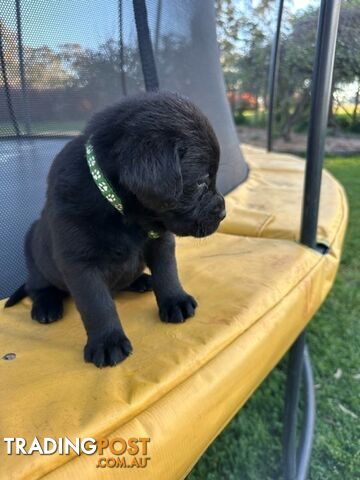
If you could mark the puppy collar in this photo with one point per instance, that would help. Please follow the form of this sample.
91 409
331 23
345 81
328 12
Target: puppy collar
104 185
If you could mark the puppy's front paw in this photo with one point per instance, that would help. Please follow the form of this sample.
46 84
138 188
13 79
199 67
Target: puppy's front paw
177 309
108 350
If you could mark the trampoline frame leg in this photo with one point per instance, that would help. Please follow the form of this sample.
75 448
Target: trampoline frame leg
297 460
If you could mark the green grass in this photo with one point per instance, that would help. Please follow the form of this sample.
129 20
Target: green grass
250 447
250 119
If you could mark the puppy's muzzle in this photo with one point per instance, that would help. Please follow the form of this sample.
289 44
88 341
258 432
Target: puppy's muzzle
219 208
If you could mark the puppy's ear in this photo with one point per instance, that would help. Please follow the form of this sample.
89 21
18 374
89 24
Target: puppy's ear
153 174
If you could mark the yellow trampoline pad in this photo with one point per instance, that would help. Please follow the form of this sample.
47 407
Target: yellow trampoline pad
184 382
269 203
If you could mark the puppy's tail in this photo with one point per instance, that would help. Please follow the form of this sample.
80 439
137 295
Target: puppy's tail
18 295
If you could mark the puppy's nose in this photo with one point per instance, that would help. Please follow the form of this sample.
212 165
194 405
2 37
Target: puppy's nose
220 211
220 208
222 214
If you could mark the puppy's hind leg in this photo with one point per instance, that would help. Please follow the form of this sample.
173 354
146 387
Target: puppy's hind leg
47 299
143 283
47 304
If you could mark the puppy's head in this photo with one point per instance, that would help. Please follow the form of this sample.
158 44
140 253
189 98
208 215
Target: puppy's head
167 155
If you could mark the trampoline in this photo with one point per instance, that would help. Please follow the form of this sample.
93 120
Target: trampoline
24 168
259 279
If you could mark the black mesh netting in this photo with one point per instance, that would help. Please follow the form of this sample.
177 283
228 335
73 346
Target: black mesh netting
61 61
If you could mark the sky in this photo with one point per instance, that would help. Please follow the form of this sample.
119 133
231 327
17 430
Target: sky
53 22
300 4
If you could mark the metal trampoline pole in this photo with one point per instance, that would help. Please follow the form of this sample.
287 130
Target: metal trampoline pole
291 406
22 69
309 417
157 28
151 79
272 75
320 96
121 48
299 368
320 100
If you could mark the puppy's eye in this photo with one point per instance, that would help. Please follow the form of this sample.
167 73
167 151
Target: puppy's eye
203 182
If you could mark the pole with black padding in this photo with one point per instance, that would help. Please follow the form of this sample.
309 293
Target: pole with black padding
273 69
296 463
145 46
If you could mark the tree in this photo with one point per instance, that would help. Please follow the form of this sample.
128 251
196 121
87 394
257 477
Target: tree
97 73
242 36
245 36
228 22
297 59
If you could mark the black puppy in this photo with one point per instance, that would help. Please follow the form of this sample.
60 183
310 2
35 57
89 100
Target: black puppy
143 170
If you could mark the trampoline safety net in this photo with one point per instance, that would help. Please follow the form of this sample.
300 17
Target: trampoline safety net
62 61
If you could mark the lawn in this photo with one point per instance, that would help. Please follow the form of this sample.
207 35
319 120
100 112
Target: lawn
250 447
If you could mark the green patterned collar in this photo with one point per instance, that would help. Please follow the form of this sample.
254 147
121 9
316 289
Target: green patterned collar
104 185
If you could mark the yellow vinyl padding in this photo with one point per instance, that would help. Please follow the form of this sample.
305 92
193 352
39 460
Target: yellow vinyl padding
184 382
269 203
